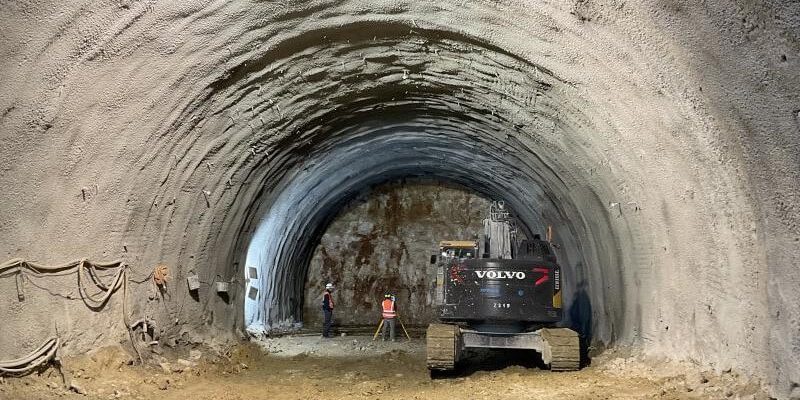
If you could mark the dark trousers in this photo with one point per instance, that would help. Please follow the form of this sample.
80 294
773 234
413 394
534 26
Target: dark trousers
326 327
388 324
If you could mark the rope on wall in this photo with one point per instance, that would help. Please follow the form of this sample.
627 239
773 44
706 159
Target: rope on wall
88 275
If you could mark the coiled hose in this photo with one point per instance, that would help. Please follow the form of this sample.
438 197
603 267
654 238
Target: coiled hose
44 354
87 272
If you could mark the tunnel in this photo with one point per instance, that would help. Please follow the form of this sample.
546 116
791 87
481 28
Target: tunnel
660 140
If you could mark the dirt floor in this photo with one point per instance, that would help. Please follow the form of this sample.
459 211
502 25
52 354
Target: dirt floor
309 367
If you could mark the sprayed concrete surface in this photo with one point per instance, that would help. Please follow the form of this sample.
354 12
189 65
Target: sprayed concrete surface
313 368
220 138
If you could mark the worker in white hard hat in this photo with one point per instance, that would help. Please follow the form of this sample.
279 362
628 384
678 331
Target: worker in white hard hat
389 313
327 310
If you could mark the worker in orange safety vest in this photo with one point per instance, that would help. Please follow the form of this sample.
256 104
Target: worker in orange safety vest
389 314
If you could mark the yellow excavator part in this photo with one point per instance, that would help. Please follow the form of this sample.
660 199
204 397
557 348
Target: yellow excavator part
458 244
557 299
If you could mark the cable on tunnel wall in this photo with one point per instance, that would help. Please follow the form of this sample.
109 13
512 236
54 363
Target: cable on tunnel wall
86 272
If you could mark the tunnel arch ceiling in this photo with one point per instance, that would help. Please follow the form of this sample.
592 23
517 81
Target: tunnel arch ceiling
675 173
449 86
283 243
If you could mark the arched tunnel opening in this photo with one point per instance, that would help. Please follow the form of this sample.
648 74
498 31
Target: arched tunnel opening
433 122
280 294
273 147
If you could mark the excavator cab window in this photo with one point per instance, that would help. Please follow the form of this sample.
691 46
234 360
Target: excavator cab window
535 249
456 252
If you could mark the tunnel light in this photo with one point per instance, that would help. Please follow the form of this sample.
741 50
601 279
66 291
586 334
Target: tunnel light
193 281
222 287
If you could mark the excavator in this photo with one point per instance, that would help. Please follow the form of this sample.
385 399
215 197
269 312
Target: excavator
501 293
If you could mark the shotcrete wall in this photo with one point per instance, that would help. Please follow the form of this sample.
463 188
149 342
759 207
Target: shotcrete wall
659 137
382 243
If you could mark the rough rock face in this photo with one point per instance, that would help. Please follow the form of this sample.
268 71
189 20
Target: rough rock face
383 243
659 138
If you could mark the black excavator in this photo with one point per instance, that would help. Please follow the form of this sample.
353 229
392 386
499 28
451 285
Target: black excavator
498 292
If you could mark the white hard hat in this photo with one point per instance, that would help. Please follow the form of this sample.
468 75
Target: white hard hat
329 286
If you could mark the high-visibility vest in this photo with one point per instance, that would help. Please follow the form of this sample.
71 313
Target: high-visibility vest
388 308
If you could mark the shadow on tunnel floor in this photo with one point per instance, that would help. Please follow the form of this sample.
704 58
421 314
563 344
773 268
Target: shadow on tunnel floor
484 360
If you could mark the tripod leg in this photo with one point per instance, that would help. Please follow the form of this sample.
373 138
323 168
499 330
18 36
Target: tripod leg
404 328
375 336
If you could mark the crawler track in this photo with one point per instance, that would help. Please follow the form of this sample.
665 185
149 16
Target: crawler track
562 350
442 347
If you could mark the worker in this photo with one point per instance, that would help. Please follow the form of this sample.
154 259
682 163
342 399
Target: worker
540 248
389 313
327 310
